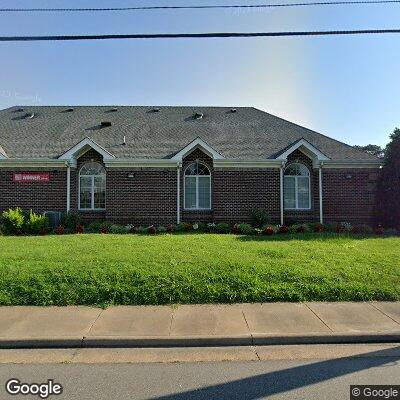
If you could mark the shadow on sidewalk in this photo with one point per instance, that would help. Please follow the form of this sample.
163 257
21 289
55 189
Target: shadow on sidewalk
276 382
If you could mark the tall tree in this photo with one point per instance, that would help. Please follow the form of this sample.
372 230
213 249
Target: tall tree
373 149
388 190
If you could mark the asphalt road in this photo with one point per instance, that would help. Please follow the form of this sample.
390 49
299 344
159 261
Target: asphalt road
273 379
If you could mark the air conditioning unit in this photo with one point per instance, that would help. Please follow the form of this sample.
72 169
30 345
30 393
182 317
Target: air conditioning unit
54 218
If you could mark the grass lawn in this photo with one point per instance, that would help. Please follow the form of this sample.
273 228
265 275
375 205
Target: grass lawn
196 268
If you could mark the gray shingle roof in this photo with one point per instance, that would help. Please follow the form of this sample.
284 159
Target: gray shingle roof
246 134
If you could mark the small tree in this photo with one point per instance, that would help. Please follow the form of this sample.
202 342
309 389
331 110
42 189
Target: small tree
372 149
388 190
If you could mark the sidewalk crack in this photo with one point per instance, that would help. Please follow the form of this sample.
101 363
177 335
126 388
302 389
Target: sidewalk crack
318 317
92 324
382 312
248 327
170 322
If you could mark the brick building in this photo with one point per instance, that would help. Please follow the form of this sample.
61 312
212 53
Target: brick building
145 165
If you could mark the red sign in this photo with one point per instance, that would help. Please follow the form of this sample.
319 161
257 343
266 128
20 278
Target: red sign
28 177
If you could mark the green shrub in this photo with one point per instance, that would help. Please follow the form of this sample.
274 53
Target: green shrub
94 227
179 227
201 226
36 223
161 229
71 220
211 227
259 217
117 229
223 228
245 229
142 229
13 220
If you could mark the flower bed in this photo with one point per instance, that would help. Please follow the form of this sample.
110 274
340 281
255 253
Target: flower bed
19 222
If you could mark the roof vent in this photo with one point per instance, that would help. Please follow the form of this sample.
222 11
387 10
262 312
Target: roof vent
19 110
114 110
155 109
198 115
29 115
233 110
105 123
69 110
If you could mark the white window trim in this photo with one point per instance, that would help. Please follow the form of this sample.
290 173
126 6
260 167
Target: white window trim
297 208
197 208
92 208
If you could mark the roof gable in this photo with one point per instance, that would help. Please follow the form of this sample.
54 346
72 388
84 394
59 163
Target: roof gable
305 147
198 143
3 154
82 147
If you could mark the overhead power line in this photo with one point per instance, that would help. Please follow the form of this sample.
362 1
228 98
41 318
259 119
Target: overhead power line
148 8
195 35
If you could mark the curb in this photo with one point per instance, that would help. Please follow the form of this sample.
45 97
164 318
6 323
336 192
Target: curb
195 341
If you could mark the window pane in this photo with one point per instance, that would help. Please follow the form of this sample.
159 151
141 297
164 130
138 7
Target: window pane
289 192
204 192
303 192
190 192
99 192
85 196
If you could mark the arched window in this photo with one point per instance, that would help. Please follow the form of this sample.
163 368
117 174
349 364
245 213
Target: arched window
197 187
297 187
92 187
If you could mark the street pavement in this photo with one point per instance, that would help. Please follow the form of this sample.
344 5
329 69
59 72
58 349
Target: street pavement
303 372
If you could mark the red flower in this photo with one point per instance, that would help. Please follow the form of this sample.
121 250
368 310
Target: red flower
318 228
170 228
42 231
269 230
301 229
283 229
151 230
59 230
340 228
235 229
104 230
79 229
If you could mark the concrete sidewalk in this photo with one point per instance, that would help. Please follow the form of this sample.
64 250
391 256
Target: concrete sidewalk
199 325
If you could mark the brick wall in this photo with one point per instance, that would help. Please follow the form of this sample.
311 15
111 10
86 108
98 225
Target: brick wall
43 196
148 195
349 195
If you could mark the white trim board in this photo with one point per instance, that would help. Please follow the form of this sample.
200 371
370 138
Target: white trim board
305 147
195 144
83 147
32 163
3 154
141 163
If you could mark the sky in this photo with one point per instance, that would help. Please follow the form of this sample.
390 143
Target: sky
347 87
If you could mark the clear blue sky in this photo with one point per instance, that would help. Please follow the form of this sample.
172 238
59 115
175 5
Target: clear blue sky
345 87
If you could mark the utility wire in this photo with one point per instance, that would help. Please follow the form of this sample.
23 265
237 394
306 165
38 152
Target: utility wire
194 35
144 8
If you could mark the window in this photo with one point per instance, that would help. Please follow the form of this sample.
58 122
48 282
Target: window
92 187
197 187
297 187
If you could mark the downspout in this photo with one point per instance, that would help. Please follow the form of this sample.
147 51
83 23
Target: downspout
321 214
178 193
281 189
68 187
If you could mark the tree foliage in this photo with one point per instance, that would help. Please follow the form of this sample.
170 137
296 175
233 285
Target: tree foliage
372 149
388 193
